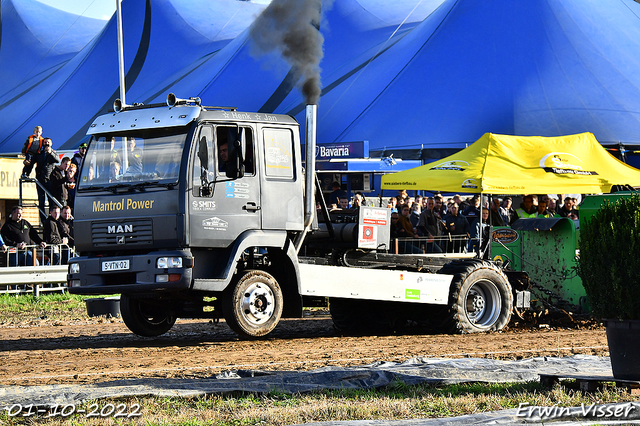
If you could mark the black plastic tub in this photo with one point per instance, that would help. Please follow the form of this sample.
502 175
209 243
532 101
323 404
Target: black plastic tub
623 337
109 306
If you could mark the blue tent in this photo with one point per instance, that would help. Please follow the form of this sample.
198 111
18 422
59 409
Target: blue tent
431 77
36 41
545 68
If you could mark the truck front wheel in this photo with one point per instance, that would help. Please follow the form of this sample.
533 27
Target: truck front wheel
481 298
253 306
148 318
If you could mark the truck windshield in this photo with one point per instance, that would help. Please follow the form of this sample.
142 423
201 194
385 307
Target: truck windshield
132 159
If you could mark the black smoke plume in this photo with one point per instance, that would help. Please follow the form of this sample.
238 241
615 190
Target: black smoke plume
292 27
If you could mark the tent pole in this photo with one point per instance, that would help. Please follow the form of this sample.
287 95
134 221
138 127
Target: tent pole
121 53
480 228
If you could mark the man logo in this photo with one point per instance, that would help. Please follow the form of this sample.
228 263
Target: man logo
119 229
120 239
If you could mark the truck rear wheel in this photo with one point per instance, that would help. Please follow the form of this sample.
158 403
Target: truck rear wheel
253 306
146 317
481 298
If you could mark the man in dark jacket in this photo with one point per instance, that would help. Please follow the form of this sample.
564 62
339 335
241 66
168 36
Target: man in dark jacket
45 163
51 233
457 225
472 211
567 209
78 157
430 224
495 218
59 181
65 226
19 233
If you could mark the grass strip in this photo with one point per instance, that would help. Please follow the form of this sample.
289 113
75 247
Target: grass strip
395 402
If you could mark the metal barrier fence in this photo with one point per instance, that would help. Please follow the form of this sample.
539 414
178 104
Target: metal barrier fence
446 244
34 269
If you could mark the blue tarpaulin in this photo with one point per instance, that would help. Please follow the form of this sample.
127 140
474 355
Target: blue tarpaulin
402 75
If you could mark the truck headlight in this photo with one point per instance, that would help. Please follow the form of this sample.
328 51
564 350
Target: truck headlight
169 262
74 268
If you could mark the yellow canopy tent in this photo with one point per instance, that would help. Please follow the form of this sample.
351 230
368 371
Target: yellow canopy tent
501 164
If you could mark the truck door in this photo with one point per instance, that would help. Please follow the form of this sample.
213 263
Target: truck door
222 208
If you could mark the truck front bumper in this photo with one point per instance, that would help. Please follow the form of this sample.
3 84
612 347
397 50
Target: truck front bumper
129 274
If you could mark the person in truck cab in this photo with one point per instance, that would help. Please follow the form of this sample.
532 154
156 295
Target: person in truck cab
223 156
114 155
134 156
114 171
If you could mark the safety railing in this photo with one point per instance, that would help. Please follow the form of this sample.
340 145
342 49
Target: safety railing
34 255
34 269
444 244
44 190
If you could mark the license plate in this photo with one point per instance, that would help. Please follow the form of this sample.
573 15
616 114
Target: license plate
115 265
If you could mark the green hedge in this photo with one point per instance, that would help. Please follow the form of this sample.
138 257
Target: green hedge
609 261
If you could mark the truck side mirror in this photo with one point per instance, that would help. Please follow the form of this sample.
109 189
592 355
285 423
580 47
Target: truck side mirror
203 156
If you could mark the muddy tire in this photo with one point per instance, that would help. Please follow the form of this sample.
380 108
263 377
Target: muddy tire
253 306
144 317
480 297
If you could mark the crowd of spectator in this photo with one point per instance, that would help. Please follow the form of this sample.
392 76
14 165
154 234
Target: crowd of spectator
437 216
57 182
457 219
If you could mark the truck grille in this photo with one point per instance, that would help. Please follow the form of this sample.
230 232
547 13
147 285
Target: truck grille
122 234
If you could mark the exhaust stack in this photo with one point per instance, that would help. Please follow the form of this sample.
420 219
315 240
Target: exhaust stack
310 173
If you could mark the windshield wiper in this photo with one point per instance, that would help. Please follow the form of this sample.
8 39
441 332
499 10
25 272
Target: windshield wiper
142 185
114 188
91 188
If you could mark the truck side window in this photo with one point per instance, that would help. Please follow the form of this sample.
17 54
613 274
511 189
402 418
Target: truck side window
225 136
278 146
203 170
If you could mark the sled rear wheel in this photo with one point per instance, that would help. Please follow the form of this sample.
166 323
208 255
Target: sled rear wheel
480 298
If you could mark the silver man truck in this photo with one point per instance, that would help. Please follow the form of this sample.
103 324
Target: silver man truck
189 211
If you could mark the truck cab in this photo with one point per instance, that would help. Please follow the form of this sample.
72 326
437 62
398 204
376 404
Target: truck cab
172 198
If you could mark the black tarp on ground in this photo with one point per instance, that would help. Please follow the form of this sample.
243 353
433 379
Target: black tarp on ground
411 372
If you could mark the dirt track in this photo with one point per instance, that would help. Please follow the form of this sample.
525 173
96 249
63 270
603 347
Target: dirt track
101 350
